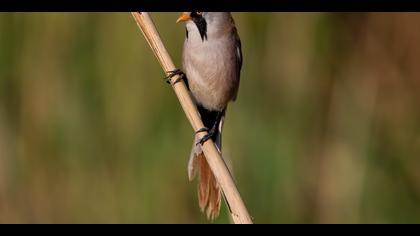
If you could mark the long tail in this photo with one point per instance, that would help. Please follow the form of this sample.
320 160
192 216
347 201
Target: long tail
209 191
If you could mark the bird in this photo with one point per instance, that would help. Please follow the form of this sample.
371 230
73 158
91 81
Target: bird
211 66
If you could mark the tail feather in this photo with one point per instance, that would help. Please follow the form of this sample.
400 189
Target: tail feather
213 208
209 191
204 185
209 194
193 162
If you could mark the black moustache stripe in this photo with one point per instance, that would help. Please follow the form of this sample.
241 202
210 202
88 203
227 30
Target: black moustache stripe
202 26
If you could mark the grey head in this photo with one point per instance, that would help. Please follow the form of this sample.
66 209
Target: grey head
208 24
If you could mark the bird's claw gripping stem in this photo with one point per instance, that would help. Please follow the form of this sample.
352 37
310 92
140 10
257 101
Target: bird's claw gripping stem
173 73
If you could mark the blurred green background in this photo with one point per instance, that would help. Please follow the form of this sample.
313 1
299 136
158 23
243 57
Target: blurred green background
326 128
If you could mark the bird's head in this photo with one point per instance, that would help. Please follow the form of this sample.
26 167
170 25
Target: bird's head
197 18
206 21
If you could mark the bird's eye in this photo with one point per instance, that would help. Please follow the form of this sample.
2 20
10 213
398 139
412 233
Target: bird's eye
199 13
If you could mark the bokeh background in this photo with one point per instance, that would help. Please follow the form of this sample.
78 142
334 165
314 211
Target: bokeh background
326 128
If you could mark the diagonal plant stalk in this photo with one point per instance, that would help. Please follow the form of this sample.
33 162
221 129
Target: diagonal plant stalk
236 206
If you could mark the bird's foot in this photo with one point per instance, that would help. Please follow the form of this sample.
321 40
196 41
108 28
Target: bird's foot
206 137
204 129
171 74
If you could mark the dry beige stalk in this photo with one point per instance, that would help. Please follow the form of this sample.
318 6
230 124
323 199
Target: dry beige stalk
237 207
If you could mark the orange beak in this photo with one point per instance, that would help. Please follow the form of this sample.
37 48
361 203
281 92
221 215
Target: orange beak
183 17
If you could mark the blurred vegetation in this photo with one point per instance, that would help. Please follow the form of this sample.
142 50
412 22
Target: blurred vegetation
326 128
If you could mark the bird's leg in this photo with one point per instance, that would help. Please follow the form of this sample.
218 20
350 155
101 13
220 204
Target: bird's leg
211 131
173 73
